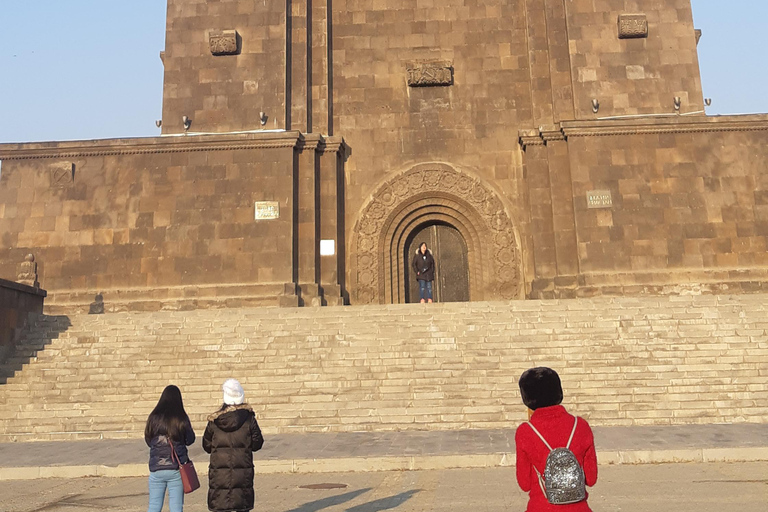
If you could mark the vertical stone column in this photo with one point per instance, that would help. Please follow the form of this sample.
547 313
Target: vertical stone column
298 111
308 221
559 60
320 97
536 166
563 218
538 58
332 268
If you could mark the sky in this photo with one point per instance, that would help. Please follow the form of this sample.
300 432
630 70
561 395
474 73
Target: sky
90 69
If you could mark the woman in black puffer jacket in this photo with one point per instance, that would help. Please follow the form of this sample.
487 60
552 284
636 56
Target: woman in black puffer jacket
231 437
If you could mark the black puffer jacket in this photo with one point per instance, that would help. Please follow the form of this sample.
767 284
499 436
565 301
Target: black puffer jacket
424 266
231 437
160 451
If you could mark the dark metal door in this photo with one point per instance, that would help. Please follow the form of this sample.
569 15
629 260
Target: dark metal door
451 267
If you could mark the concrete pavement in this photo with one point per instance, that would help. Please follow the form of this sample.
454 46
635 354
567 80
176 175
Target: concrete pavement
702 487
385 451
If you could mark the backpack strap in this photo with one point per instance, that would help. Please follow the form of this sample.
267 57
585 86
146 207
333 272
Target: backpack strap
539 475
575 422
538 434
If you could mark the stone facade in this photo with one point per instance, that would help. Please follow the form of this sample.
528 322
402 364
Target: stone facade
366 121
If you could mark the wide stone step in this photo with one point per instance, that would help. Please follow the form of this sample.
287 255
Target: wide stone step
644 361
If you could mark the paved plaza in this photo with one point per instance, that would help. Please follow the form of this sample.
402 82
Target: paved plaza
381 451
711 487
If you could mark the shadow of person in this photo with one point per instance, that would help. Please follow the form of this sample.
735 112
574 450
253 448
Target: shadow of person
330 501
385 503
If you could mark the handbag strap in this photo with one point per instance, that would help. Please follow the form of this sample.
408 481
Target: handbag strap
173 451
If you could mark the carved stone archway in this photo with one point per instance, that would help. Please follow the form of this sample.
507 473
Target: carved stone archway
426 193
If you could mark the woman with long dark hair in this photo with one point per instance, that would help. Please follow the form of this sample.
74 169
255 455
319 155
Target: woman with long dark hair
167 423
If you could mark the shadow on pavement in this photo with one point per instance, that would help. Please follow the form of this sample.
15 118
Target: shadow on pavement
330 501
385 503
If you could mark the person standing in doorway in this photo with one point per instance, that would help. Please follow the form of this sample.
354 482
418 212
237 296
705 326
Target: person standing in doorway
424 268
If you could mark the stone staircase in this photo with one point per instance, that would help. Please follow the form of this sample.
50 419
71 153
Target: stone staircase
623 361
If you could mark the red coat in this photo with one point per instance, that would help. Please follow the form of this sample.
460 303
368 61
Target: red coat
555 424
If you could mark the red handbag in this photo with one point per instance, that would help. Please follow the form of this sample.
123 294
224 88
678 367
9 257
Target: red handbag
188 474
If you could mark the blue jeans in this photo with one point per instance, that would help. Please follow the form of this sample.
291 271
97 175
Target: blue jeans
425 289
158 482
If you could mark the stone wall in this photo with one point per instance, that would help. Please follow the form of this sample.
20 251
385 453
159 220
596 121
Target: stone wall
630 70
664 205
164 218
17 303
227 90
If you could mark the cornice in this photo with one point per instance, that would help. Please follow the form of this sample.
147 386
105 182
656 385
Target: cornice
642 126
670 125
151 145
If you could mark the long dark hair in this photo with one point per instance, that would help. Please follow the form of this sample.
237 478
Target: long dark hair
168 418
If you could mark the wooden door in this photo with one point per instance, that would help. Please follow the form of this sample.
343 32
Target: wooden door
451 265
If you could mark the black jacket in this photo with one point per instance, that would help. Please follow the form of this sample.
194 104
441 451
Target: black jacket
160 451
231 437
424 266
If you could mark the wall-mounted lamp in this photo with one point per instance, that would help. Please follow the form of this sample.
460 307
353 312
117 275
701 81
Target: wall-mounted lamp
159 123
263 118
187 122
708 102
678 102
595 105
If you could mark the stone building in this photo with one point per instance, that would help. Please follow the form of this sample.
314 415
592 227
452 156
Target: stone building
543 148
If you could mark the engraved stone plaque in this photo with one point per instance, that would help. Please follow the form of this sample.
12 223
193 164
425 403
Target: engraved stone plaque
599 199
633 26
62 174
223 42
429 74
267 210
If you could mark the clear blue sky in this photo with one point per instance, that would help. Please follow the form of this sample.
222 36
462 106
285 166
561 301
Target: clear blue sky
86 69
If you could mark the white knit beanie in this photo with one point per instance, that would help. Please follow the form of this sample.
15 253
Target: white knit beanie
233 392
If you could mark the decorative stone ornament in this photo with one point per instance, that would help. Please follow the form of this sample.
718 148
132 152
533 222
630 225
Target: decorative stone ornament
28 272
223 42
62 174
429 73
633 26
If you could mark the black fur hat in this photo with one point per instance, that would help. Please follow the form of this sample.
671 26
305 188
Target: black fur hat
540 387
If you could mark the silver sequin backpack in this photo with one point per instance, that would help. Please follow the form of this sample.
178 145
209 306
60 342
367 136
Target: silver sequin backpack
563 479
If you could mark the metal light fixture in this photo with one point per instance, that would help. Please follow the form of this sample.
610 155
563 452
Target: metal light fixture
262 118
595 105
708 102
678 102
159 123
187 122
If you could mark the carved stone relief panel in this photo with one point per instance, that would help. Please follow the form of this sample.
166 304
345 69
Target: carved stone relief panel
633 26
62 174
223 42
429 73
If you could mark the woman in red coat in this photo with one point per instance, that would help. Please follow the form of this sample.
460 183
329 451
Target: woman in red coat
542 393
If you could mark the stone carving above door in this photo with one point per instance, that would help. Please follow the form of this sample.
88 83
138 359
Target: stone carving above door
479 202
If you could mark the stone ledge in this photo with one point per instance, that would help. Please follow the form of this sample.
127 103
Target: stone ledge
12 285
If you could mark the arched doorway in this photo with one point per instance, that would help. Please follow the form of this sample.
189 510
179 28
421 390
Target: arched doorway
428 195
451 263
